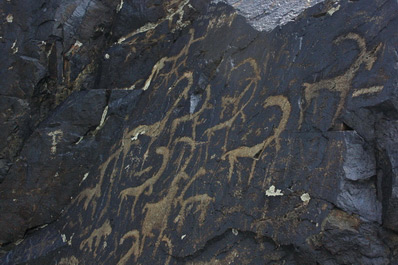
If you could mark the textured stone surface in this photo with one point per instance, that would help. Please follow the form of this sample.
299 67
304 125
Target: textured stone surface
387 132
268 14
156 132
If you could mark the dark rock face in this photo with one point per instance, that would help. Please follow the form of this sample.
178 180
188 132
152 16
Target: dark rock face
174 133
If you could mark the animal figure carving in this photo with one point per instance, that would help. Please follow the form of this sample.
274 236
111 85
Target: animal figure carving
342 83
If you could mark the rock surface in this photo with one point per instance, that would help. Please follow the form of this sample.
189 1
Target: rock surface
172 132
268 14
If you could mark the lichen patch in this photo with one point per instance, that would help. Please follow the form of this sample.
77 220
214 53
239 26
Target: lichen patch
272 191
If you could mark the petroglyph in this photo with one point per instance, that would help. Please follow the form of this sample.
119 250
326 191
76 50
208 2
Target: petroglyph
148 184
369 90
222 21
90 194
257 150
69 261
237 107
156 68
193 117
157 214
179 11
134 249
94 240
56 136
342 83
152 131
177 62
203 200
210 139
161 171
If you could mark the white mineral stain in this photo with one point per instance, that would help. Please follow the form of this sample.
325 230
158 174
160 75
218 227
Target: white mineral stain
135 138
78 44
14 47
119 6
19 242
84 177
333 10
70 240
104 113
102 121
10 18
132 87
80 139
155 70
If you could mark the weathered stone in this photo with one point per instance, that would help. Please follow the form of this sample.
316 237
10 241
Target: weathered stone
387 132
173 132
267 14
357 190
351 241
51 164
359 161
